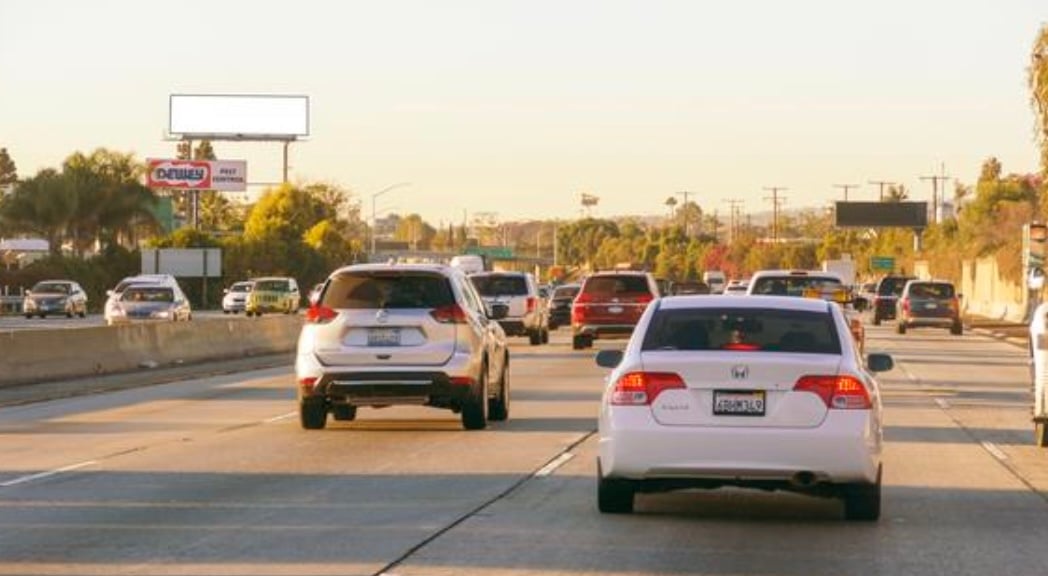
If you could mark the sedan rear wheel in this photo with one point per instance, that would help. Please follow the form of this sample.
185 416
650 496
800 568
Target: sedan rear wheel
535 336
614 495
312 413
863 501
900 327
475 409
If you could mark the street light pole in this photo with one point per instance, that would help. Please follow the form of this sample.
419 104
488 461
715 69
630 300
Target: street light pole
374 221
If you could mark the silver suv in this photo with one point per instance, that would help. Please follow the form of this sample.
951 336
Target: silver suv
383 334
528 314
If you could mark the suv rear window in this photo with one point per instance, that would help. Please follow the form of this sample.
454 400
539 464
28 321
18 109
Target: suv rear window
272 286
565 292
387 289
616 285
935 290
500 284
772 330
825 287
890 285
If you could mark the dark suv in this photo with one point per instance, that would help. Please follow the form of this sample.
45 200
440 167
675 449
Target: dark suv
888 291
929 303
609 305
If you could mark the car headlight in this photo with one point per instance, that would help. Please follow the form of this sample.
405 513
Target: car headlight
161 314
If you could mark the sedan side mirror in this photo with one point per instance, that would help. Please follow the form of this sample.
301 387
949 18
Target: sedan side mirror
609 358
498 311
878 362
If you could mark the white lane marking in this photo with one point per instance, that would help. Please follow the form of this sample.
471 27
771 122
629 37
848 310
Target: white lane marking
41 475
552 466
994 450
279 418
942 403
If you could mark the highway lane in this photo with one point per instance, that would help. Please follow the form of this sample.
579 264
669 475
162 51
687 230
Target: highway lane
214 476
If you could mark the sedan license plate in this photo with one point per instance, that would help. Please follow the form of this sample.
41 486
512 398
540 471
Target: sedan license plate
384 337
738 403
615 309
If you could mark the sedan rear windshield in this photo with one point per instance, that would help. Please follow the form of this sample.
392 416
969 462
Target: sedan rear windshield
616 285
51 288
742 329
500 285
148 294
373 290
936 290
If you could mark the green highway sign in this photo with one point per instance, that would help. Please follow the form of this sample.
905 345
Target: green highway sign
494 252
885 263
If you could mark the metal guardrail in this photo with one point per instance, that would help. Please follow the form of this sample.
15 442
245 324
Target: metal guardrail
10 305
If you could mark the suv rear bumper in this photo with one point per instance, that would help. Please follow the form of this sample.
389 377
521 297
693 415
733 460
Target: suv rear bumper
389 388
597 331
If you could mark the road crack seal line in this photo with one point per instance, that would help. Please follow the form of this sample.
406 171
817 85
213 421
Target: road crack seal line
561 457
992 449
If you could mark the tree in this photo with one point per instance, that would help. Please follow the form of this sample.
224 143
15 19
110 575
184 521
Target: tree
8 171
897 193
42 205
415 231
1037 79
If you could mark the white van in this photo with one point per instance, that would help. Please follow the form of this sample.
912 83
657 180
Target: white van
716 280
468 263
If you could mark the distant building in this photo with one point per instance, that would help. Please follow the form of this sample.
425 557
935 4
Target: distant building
18 252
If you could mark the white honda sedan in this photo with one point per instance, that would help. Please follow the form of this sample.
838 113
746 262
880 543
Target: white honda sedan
760 392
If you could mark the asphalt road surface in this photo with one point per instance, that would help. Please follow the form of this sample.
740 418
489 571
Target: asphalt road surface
214 476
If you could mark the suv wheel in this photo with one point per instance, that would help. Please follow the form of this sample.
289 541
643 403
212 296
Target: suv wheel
344 412
957 329
614 496
312 413
1040 434
863 501
498 407
581 342
475 409
535 336
545 335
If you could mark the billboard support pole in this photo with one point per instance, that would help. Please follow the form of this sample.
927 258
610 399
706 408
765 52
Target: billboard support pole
286 144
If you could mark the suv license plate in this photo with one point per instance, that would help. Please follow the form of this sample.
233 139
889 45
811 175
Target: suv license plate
738 403
384 337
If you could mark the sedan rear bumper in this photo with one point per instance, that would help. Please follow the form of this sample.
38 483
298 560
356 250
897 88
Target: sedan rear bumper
844 448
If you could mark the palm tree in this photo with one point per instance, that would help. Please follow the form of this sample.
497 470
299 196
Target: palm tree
42 205
1037 78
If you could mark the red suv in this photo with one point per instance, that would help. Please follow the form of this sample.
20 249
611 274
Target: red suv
609 305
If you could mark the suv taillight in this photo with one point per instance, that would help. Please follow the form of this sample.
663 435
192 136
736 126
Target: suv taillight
317 314
450 314
837 392
583 298
906 305
641 388
955 306
644 299
531 303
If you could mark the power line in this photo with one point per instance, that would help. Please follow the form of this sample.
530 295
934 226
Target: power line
735 212
776 201
882 184
845 187
935 190
687 219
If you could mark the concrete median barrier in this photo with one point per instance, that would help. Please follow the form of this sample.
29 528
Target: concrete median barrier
47 355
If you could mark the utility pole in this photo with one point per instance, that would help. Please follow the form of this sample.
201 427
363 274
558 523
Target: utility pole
882 184
687 220
845 187
935 191
733 230
776 201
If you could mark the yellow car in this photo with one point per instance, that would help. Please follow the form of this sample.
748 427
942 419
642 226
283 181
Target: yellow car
273 295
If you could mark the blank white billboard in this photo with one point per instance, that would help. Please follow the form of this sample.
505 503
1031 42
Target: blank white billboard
183 262
239 116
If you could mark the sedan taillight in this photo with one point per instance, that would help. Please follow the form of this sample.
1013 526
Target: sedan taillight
641 388
837 392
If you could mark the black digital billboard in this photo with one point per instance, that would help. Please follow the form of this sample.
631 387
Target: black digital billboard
882 214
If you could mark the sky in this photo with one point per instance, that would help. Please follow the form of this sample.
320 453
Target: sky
518 108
